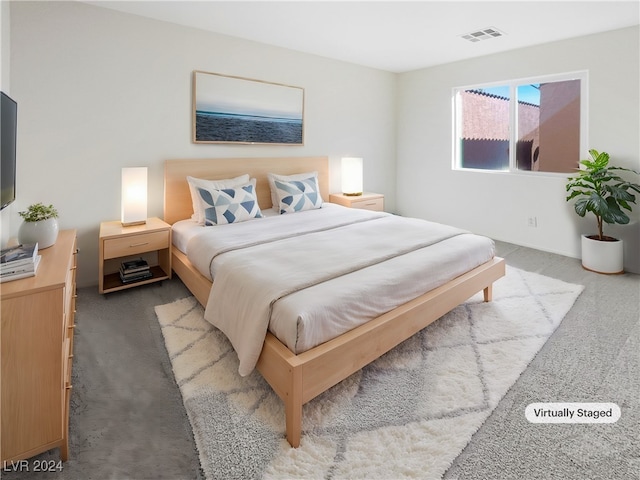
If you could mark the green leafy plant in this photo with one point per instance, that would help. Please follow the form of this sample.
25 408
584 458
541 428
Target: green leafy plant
601 191
38 212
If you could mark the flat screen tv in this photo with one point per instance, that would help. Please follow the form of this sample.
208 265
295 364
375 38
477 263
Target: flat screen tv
8 128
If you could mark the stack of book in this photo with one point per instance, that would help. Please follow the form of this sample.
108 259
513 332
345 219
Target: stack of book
17 262
134 271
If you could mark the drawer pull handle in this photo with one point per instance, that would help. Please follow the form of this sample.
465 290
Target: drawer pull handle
69 387
138 244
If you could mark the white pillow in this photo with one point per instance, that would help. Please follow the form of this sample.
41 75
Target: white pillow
272 177
195 183
229 205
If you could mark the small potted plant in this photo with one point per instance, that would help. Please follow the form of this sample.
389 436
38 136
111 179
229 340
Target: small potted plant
40 225
600 190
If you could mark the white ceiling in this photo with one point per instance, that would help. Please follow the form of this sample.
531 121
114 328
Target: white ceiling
396 36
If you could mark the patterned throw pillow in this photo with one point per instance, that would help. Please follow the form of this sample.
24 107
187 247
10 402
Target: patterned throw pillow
229 205
272 177
195 183
298 195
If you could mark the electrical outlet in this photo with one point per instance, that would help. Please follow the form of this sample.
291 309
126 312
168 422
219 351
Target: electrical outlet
532 222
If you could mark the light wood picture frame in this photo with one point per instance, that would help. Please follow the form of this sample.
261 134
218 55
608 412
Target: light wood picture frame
229 109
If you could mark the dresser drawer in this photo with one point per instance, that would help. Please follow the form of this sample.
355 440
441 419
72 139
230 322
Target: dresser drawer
135 244
70 291
67 362
376 204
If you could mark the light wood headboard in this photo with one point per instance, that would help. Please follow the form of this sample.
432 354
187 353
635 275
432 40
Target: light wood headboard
177 199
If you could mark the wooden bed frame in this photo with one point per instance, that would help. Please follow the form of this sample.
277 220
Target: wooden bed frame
297 379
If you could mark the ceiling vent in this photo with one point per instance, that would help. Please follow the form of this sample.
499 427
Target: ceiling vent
484 34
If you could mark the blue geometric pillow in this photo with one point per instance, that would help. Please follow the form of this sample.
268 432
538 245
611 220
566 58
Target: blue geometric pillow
229 205
298 195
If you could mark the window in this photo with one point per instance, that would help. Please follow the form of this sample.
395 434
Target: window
534 125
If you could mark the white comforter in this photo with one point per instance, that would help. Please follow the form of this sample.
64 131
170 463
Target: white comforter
310 276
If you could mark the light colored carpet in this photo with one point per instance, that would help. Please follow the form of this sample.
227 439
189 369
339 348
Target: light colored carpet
407 415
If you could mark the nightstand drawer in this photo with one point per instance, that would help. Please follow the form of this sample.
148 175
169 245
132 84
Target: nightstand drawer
376 204
135 244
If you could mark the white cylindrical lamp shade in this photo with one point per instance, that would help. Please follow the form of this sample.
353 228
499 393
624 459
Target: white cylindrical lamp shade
352 175
134 196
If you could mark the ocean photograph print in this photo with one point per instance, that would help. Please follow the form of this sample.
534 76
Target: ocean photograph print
228 109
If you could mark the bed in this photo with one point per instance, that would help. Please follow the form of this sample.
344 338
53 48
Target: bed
299 375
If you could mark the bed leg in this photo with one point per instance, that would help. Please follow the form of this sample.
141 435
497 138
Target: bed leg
294 425
293 408
488 293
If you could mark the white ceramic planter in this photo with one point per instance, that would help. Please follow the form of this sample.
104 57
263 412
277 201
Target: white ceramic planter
602 257
44 233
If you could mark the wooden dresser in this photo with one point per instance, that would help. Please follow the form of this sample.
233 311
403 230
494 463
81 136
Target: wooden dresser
36 341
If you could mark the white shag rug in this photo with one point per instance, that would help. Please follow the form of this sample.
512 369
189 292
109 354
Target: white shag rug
409 414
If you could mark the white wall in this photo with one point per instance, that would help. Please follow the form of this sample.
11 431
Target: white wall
98 90
5 44
497 204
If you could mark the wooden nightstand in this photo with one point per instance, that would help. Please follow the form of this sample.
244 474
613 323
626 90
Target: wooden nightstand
367 201
117 244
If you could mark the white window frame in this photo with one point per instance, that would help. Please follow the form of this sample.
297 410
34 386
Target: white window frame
582 75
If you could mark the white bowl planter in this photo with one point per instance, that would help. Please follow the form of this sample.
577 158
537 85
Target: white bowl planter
44 232
602 257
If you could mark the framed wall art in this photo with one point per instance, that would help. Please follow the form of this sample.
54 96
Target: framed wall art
229 109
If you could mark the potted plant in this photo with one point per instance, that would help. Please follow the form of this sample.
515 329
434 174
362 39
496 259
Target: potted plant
600 190
40 225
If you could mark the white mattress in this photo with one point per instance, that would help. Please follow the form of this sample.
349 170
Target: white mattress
307 317
182 231
185 230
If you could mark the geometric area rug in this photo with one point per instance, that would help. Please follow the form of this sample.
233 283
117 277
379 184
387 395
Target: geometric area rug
408 414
